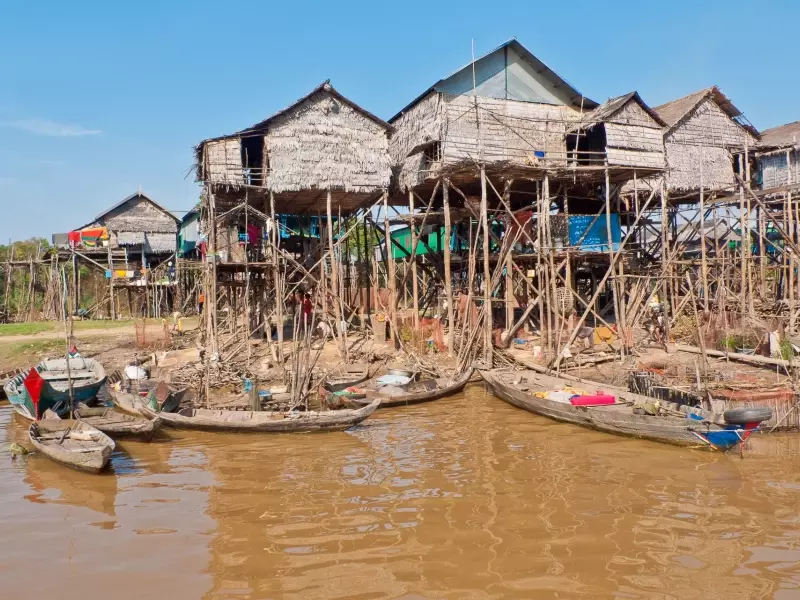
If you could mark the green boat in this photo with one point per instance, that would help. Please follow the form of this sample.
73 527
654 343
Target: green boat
87 376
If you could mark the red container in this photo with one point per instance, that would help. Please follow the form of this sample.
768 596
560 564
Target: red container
596 400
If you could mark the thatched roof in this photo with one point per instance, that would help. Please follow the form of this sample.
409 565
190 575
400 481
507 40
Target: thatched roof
136 224
783 136
262 126
577 100
612 106
675 112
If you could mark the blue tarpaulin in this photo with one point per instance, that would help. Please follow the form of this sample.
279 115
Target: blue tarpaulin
597 238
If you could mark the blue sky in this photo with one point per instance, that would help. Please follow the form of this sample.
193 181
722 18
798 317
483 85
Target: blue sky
98 98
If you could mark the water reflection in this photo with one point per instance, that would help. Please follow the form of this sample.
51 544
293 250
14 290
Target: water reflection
461 498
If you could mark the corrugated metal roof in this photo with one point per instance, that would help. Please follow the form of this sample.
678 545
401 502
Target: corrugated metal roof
577 99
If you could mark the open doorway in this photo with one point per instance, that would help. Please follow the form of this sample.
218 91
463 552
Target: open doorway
253 160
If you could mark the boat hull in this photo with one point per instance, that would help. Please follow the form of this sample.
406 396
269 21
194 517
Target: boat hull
118 425
91 458
260 422
55 393
413 398
670 430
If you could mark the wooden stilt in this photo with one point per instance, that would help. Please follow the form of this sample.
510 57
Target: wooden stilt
390 270
414 281
276 275
448 280
509 276
487 273
613 282
791 231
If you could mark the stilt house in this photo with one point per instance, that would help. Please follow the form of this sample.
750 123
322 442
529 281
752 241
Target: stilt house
703 138
778 158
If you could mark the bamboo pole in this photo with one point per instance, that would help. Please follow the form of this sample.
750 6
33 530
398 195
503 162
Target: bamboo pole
791 231
610 240
608 273
487 273
448 280
414 282
113 312
276 276
390 271
703 261
664 250
334 273
509 275
248 323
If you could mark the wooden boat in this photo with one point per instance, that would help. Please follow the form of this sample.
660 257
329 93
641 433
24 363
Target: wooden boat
263 422
416 392
87 376
679 424
131 402
72 443
345 377
117 424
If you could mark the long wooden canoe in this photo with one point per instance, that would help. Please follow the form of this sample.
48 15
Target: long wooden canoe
72 443
417 392
705 429
263 422
116 424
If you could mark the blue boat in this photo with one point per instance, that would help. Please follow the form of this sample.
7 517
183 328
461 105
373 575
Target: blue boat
87 376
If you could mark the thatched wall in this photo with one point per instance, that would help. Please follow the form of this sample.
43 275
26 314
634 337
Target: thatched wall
420 126
683 167
222 161
510 130
634 138
323 143
775 170
708 125
706 135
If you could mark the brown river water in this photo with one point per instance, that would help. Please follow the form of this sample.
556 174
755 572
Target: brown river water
465 497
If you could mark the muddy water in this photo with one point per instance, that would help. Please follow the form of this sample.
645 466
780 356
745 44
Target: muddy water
463 498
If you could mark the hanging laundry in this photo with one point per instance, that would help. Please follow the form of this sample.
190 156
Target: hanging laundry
254 234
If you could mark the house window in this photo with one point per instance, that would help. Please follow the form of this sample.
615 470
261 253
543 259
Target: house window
433 153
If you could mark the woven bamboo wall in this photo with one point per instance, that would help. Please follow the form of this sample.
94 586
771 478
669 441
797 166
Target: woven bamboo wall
222 161
775 170
509 130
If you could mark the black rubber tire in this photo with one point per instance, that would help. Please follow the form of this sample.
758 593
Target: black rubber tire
743 416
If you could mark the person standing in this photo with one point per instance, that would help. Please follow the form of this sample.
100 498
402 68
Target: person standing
201 299
308 307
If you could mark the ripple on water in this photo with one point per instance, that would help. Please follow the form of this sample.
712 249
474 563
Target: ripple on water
462 498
